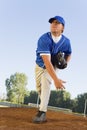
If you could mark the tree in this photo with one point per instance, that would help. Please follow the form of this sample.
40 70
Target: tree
16 88
60 99
53 97
80 103
31 97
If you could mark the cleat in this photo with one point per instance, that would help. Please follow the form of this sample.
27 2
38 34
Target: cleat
40 117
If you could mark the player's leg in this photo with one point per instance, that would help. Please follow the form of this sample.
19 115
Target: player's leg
44 97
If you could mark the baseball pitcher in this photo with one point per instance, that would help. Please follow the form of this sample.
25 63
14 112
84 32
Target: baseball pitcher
53 51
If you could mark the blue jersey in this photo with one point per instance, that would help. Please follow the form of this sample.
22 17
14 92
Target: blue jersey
46 45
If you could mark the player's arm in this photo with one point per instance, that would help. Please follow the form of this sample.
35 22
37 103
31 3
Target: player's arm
47 61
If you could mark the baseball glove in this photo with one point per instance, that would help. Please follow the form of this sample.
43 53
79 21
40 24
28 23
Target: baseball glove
58 60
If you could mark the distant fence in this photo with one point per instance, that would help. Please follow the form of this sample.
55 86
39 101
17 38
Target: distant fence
8 104
52 108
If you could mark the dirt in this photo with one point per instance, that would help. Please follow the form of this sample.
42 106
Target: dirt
21 119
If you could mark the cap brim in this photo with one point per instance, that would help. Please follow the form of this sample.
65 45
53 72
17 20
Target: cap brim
51 20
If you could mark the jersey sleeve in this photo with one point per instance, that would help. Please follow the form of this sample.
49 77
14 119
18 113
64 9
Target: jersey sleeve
43 46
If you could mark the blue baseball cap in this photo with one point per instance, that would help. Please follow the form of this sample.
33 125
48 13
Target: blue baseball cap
59 19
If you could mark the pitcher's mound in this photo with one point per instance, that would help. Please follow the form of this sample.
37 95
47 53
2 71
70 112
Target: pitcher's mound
21 119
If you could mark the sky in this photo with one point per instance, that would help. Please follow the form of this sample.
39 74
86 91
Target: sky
22 22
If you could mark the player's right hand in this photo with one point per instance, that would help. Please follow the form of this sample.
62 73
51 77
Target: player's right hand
59 84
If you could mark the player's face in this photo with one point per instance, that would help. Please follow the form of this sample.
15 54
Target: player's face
56 28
